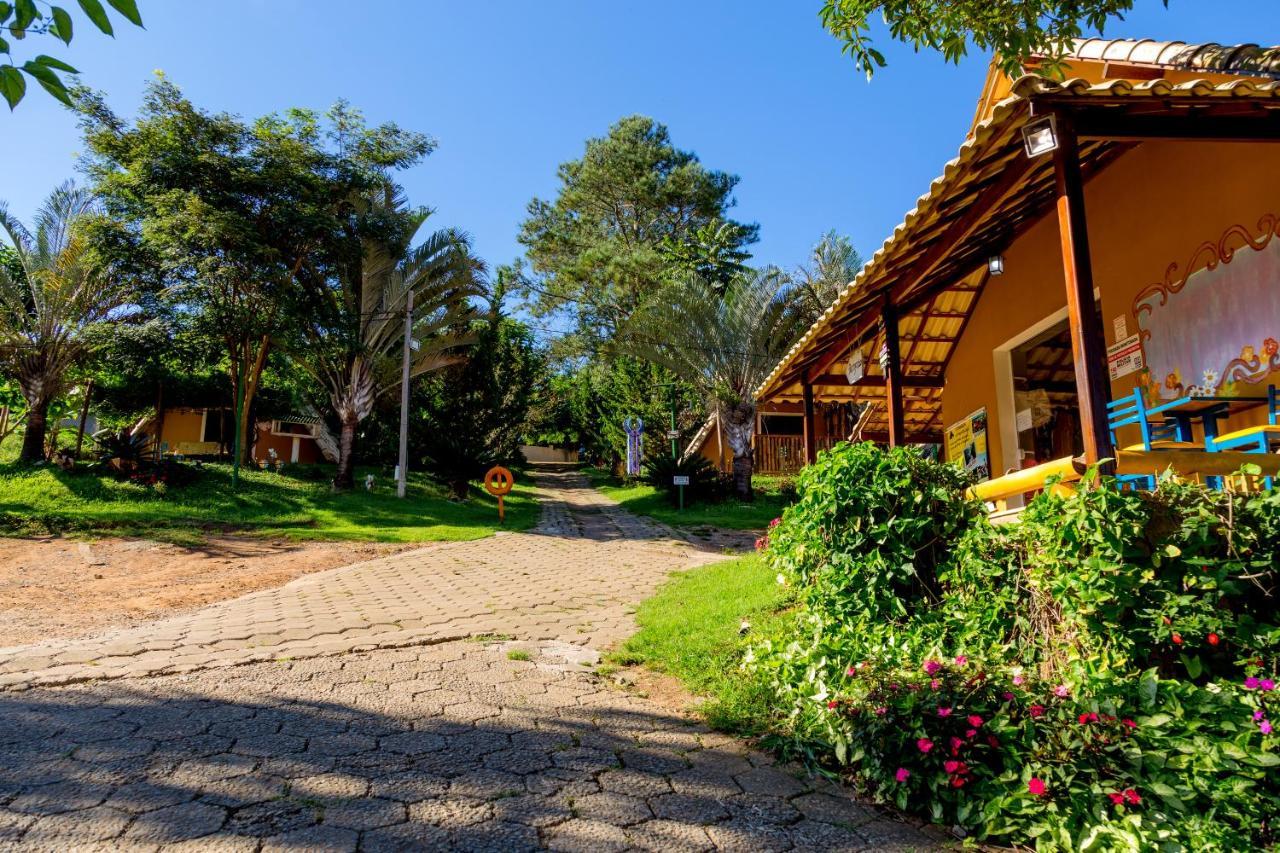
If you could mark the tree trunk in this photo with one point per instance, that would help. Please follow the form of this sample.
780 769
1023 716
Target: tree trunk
345 477
33 438
84 417
460 488
742 467
739 426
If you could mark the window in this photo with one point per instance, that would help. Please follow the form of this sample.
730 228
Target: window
214 426
291 428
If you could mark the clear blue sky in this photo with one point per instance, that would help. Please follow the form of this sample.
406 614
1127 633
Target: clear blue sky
511 88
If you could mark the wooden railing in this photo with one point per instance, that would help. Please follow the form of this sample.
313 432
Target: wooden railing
779 454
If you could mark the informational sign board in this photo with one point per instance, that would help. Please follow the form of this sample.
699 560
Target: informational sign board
966 442
1125 357
673 434
856 368
679 480
1121 327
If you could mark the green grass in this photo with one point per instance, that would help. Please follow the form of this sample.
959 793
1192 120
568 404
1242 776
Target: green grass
690 629
643 499
519 654
297 504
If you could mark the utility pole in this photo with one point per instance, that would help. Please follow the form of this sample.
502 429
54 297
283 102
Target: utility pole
235 430
402 470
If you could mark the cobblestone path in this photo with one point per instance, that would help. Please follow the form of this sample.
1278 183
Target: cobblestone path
419 742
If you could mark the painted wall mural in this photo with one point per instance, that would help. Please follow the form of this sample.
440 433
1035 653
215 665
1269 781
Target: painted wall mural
1214 324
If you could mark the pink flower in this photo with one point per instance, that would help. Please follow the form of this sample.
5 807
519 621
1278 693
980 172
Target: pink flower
881 711
1062 691
1251 683
1258 715
975 720
924 744
775 523
1036 788
902 775
1265 727
956 743
1267 684
944 712
931 667
961 660
850 672
762 543
971 734
951 766
1036 710
1018 680
935 684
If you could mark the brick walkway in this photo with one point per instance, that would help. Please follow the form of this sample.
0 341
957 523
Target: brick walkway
456 744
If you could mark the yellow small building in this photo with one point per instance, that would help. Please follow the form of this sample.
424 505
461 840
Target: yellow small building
1114 230
208 432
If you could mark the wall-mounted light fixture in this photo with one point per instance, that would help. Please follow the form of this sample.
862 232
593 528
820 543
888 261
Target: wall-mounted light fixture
995 264
1040 137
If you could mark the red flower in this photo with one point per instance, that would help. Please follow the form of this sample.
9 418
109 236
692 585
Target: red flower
1036 710
1116 799
1177 639
975 720
957 781
1131 796
993 741
1128 723
1088 718
1036 787
924 744
971 734
956 743
952 766
1213 639
833 704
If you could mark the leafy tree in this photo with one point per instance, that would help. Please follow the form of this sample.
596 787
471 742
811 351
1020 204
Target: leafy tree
713 252
1014 30
20 19
354 340
602 246
476 411
724 346
57 292
815 285
237 216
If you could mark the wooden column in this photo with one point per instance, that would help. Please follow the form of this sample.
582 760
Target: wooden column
810 426
891 364
1088 347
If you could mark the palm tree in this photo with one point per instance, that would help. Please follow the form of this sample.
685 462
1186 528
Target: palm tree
49 294
356 337
723 344
833 264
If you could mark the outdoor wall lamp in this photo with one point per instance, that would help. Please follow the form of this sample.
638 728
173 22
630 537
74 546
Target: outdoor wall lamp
995 264
1040 137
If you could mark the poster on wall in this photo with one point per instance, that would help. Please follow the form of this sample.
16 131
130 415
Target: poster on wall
967 444
1219 327
1124 357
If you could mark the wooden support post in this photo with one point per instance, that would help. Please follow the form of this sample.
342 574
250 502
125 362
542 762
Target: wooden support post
810 427
891 364
1088 348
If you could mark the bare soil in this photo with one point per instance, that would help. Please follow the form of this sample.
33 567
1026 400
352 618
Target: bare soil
55 587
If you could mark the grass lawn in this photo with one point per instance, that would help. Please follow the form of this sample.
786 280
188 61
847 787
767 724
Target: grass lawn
690 630
297 504
644 499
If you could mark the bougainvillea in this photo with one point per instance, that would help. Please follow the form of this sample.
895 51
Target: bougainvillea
1100 675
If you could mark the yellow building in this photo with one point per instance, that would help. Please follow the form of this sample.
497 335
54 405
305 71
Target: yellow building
1110 230
208 432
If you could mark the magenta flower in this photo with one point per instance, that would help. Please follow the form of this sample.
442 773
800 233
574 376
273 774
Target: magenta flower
971 734
935 684
902 775
1036 787
1008 697
1267 684
961 660
931 667
951 766
1265 727
975 720
1251 683
1036 710
944 712
924 744
1258 715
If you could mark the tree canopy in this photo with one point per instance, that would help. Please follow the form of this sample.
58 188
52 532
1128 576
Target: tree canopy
1014 30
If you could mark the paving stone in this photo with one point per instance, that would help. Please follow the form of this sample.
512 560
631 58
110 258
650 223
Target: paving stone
320 839
176 823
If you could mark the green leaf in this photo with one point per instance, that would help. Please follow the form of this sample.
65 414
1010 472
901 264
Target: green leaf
97 14
129 9
62 24
48 80
6 9
50 62
12 85
27 12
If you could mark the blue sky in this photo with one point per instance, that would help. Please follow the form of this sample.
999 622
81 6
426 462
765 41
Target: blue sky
511 88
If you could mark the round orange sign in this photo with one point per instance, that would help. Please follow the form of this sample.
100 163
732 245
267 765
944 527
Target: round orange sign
498 481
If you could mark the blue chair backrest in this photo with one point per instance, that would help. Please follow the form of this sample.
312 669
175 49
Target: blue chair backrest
1131 410
1273 406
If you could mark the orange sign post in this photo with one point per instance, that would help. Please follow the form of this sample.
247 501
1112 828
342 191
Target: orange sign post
498 482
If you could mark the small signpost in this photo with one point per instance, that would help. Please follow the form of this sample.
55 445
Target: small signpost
498 482
680 481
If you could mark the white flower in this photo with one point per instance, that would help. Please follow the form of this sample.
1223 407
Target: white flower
782 579
1211 379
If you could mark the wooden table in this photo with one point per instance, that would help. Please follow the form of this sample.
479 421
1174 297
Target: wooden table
1185 411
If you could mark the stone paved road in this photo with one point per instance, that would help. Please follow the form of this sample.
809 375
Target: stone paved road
458 745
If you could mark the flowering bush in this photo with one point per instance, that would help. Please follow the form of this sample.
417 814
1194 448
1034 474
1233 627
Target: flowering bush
1098 676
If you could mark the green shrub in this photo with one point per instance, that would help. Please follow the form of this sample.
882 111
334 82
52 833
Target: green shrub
1097 676
660 472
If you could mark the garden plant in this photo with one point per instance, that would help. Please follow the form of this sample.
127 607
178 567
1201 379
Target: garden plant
1098 676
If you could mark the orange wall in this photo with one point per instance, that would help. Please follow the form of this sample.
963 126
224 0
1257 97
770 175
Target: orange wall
1149 209
181 425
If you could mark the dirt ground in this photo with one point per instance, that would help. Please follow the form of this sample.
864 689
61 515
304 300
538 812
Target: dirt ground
57 587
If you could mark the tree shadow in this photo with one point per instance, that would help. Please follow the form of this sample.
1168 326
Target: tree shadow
448 747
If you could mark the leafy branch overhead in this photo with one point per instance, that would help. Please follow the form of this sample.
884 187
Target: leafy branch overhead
1014 30
22 18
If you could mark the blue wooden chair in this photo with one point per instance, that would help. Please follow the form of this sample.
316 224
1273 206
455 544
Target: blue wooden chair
1255 439
1131 410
